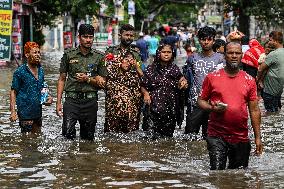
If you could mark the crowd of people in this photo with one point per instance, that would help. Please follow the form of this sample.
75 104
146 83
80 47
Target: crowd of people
220 85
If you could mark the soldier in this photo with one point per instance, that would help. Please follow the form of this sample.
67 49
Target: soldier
126 34
81 73
126 38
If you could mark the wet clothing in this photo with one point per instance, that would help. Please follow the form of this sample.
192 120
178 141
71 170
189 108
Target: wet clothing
274 78
162 84
30 125
236 92
28 92
123 99
196 68
73 61
196 119
85 112
228 131
219 150
271 103
81 97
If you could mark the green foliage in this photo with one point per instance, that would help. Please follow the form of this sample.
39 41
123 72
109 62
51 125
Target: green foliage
263 9
177 13
47 11
165 10
81 8
39 37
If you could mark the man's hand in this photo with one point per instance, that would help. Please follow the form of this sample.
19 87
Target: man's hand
100 81
216 107
259 147
59 109
13 116
260 85
82 77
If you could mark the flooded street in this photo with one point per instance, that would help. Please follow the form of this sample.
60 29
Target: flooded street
122 160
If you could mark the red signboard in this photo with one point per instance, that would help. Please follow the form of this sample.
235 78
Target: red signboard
67 39
27 1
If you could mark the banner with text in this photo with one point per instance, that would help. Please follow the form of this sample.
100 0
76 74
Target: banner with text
6 17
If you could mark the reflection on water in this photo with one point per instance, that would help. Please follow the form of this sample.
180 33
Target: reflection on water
47 160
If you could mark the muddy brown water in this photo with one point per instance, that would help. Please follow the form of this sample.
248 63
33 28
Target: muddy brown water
47 160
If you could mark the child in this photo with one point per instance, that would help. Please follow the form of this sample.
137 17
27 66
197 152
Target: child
28 81
219 45
189 49
161 85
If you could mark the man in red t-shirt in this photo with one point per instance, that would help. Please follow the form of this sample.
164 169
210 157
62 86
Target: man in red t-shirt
227 93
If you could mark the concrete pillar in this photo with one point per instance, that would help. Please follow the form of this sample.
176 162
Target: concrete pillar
131 20
252 27
31 28
55 46
60 27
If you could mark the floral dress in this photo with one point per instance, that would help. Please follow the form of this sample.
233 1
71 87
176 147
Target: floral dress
162 84
123 99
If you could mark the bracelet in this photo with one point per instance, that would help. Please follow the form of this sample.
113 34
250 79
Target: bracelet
89 80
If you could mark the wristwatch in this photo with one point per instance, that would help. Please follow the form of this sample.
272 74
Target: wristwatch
89 80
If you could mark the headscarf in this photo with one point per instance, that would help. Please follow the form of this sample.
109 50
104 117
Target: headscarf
251 56
157 58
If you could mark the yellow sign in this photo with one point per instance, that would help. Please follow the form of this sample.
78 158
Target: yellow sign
6 22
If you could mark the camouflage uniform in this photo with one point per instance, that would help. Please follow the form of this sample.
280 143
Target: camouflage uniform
118 50
80 97
123 97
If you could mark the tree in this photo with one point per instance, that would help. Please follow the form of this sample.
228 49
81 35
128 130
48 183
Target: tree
48 10
269 11
162 11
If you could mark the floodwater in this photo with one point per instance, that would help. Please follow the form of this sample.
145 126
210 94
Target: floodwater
47 160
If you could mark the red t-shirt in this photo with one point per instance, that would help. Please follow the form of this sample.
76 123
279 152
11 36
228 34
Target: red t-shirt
235 91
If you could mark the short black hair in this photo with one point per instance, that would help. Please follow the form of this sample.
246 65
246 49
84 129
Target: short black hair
126 27
86 29
217 44
206 31
245 40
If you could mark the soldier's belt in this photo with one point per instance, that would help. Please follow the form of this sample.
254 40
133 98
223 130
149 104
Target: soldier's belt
81 95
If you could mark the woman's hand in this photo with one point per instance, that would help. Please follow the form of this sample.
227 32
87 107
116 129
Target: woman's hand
182 83
147 98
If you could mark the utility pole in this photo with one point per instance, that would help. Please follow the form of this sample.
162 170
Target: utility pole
117 5
131 12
